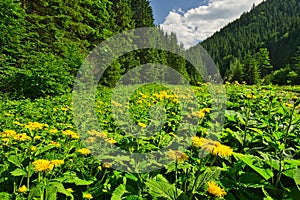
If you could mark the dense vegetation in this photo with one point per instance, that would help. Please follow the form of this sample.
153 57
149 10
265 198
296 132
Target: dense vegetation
264 42
43 43
256 155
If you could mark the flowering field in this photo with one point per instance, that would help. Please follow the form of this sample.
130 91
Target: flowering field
255 156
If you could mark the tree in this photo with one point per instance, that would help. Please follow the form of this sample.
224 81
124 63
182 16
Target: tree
236 71
263 61
251 70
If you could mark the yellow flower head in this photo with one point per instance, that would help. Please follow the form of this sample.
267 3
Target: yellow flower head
35 125
42 165
22 189
142 125
57 162
111 140
37 137
84 151
96 133
107 165
217 149
215 190
87 196
177 155
9 133
198 142
53 131
70 133
33 148
21 137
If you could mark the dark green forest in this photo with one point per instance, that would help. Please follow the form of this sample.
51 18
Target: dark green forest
262 46
44 42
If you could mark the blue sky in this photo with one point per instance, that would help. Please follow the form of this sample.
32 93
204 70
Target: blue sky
195 20
161 8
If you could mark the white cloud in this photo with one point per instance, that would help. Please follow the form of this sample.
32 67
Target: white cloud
199 23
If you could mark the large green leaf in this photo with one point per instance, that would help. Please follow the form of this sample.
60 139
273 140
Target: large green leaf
119 191
160 188
250 160
18 172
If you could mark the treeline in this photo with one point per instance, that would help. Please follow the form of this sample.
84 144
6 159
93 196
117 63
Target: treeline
44 42
261 46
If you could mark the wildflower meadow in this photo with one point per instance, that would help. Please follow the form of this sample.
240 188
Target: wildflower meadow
255 156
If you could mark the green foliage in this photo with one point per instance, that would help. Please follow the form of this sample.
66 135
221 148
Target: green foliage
261 126
269 33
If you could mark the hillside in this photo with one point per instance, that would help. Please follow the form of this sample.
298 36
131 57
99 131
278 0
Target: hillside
43 43
273 24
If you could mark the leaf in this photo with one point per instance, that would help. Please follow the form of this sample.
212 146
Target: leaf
5 196
56 187
18 172
78 181
297 176
260 132
268 197
249 160
131 177
134 197
14 159
160 188
118 192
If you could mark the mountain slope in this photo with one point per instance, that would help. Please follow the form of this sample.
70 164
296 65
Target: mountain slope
273 24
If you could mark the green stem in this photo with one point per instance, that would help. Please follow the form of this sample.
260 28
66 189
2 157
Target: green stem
281 160
176 183
28 175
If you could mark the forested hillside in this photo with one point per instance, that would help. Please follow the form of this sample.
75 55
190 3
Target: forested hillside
44 42
262 43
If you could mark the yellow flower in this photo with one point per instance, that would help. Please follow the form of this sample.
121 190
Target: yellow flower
22 189
98 134
111 140
215 190
42 165
107 165
33 148
91 140
221 150
217 149
65 109
21 137
198 142
57 162
70 133
5 139
37 137
9 133
87 196
142 125
35 125
53 131
177 155
201 113
84 151
70 190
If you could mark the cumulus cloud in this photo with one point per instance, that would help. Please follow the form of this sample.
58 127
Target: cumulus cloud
199 23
